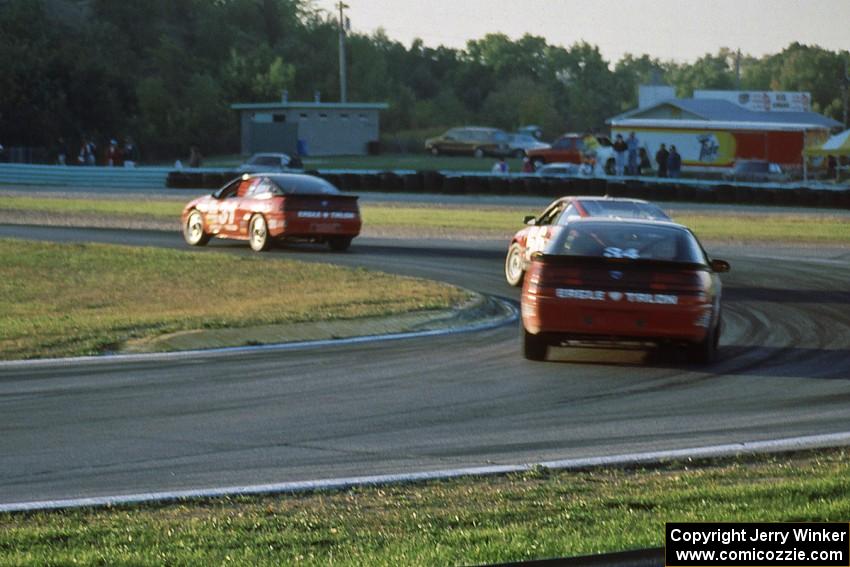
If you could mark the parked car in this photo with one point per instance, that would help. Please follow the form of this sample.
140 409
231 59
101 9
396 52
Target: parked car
558 170
269 162
262 208
520 144
756 170
619 281
541 229
578 149
472 140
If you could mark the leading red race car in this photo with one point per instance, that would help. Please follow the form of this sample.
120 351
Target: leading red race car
264 207
622 281
557 215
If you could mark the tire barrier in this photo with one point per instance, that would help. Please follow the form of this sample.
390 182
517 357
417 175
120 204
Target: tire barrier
437 182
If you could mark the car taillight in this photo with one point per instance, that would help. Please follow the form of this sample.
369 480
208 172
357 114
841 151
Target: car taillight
690 280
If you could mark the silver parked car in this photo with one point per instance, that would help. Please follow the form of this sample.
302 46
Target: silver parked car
268 163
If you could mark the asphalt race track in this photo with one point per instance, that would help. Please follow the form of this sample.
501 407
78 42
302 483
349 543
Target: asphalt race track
81 429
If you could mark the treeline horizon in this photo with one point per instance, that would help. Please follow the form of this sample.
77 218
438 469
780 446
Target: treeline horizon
166 72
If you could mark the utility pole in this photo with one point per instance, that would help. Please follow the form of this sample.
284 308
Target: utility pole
845 86
343 25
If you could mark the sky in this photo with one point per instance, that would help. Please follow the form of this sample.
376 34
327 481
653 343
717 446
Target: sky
679 30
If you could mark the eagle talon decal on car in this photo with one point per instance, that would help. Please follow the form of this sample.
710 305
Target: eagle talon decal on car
266 207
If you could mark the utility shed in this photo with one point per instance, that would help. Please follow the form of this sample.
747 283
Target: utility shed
309 128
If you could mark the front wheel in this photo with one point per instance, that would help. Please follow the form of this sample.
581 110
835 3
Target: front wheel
435 151
514 269
519 153
340 243
479 153
193 230
534 347
259 234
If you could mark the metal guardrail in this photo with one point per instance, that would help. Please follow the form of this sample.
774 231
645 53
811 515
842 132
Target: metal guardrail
84 176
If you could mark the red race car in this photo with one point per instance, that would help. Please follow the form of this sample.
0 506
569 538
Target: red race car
264 207
623 281
557 215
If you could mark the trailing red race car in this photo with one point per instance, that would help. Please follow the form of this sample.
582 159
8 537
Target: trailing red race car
264 207
557 215
618 281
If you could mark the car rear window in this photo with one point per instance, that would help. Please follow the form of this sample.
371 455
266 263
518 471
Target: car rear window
623 209
303 185
630 241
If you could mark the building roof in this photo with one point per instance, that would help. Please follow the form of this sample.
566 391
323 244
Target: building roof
716 110
310 106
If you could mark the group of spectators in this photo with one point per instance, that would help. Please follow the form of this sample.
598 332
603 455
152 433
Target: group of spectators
632 159
115 154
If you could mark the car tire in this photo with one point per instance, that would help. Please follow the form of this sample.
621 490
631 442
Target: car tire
534 347
479 153
705 351
339 243
519 154
193 230
258 234
435 151
514 269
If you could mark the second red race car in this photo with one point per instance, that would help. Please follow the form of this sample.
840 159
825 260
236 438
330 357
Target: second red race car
618 281
542 229
265 207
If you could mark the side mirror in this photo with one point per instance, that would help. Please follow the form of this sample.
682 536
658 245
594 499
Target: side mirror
530 220
720 266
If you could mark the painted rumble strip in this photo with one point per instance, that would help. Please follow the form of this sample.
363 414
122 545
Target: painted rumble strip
788 444
511 315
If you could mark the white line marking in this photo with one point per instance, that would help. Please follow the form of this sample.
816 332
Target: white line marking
731 449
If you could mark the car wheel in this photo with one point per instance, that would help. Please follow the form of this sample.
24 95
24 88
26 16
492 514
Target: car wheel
259 234
435 151
479 153
534 347
340 243
705 351
519 153
514 269
193 230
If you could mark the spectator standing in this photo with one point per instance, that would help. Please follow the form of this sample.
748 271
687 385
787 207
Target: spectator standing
500 167
195 157
632 144
61 151
131 152
644 165
83 154
674 162
661 159
620 148
831 167
113 154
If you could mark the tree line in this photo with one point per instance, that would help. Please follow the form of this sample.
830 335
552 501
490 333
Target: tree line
166 72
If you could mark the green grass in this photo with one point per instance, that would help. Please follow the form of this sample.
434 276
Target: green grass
468 521
418 162
804 227
75 299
